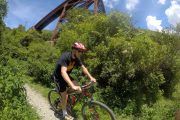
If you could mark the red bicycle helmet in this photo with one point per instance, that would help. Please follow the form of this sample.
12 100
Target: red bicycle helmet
79 46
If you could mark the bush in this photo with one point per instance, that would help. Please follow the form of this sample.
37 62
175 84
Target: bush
41 62
127 62
13 104
133 67
160 111
169 66
31 49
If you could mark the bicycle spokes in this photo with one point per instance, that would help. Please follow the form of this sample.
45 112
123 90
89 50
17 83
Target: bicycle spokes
96 112
54 100
57 104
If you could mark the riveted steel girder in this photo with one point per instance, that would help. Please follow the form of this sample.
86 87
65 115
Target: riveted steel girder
54 14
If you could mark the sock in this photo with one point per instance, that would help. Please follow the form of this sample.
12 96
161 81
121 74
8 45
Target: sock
64 112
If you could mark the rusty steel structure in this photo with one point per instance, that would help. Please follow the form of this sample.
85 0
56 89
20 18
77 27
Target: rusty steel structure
61 10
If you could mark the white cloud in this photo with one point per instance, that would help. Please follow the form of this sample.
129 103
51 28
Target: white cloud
176 0
153 23
131 4
173 12
162 1
110 3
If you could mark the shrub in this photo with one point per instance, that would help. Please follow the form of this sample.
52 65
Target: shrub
127 62
41 61
13 104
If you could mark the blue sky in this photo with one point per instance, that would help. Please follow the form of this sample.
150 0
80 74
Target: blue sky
147 14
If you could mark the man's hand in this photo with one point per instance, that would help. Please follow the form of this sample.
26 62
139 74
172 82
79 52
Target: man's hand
76 88
93 79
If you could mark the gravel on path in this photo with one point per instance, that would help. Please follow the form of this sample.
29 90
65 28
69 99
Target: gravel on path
40 104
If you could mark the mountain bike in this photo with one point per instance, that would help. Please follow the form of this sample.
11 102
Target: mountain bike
91 109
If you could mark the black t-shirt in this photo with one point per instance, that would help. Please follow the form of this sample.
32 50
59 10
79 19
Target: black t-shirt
67 61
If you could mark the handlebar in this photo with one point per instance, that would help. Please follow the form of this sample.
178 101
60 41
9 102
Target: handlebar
87 85
84 87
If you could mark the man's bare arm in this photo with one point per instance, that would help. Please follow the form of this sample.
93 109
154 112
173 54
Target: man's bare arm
67 79
86 72
66 76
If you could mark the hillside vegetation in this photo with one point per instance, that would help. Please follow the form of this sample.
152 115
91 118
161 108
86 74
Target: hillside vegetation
136 70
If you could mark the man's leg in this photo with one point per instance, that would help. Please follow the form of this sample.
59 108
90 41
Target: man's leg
64 96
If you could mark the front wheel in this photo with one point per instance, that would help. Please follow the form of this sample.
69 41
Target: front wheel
94 110
55 101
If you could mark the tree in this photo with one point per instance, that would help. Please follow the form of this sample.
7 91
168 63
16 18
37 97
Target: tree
3 8
177 29
3 11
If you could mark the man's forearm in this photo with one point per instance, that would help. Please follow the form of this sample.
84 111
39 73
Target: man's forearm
86 72
67 79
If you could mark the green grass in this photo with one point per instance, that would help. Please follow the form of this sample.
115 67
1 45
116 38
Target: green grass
41 89
176 95
44 91
163 107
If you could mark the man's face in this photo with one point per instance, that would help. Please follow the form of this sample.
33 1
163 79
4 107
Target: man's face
78 53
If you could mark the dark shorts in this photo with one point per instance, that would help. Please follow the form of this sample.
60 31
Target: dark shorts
62 84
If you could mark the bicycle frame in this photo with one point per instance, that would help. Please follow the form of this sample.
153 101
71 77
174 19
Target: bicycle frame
88 102
84 93
73 100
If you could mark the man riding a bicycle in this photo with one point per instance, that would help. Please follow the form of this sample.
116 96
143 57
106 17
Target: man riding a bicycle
64 66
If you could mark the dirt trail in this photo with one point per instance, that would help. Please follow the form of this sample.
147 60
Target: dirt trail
40 104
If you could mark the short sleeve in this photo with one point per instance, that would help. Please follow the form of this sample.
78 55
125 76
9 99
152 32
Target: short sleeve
79 62
63 60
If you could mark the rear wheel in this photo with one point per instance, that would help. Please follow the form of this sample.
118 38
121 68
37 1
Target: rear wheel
94 110
54 100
